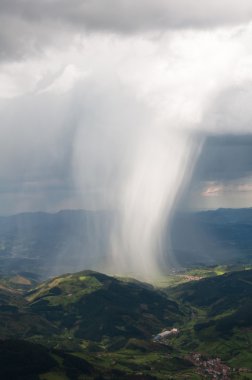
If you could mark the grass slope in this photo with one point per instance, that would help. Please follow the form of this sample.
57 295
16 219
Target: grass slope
93 306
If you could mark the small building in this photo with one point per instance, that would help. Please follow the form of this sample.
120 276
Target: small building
166 334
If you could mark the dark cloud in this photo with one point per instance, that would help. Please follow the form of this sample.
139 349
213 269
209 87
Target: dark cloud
66 150
227 152
35 151
27 25
131 16
222 174
225 158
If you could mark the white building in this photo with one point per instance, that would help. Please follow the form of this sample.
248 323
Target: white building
165 334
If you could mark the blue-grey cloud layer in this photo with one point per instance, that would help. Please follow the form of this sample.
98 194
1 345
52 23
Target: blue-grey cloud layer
225 158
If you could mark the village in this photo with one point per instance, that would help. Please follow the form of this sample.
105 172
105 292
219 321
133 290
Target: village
207 367
210 367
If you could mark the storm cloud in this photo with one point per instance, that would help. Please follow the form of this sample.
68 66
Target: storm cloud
107 105
225 158
28 27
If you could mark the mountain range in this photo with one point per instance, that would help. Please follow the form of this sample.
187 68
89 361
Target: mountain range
52 244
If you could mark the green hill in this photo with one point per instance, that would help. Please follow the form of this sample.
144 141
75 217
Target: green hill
94 306
221 297
221 316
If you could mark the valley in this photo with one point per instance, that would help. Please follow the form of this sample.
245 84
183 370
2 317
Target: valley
88 325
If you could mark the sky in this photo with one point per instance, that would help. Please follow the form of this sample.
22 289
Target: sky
95 93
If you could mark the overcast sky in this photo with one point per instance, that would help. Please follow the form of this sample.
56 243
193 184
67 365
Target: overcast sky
87 86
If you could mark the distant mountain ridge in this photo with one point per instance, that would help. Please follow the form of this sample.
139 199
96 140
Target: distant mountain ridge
49 244
70 240
214 237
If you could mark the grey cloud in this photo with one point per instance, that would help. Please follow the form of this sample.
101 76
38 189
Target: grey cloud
128 15
225 162
67 150
227 152
231 110
21 38
35 144
36 138
225 158
26 26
